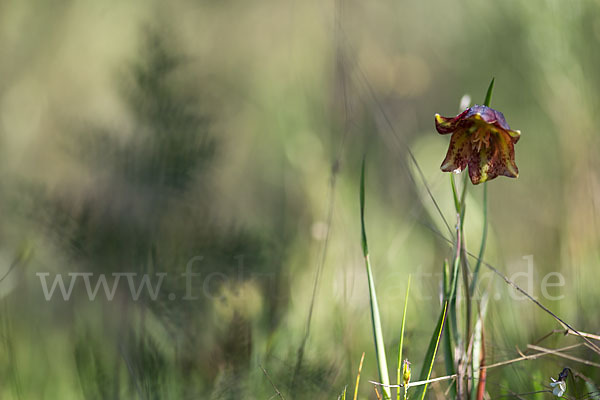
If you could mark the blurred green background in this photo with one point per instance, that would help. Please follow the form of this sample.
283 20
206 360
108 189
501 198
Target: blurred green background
137 135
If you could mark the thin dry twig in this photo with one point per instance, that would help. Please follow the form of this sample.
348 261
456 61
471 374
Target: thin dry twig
570 332
530 357
272 384
335 168
377 393
505 278
498 364
563 355
540 305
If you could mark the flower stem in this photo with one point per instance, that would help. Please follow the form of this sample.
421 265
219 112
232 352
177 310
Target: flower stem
488 100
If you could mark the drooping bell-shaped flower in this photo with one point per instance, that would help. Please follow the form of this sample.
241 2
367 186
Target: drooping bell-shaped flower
558 387
482 140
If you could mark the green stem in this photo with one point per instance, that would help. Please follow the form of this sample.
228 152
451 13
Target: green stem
375 316
483 240
488 101
463 196
399 372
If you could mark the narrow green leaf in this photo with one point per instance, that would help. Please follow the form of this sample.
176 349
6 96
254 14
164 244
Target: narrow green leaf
488 96
448 346
455 266
449 360
446 278
362 209
454 335
375 316
378 333
400 346
431 352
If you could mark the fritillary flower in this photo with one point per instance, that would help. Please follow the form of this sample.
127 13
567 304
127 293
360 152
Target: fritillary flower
558 387
483 141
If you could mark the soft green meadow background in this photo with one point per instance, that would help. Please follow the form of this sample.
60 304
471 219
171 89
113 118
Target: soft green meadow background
137 135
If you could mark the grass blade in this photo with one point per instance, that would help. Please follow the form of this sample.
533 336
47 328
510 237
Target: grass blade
400 346
343 395
452 335
451 295
431 352
448 346
375 316
365 246
362 358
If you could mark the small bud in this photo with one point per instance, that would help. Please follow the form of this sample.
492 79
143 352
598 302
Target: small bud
465 102
406 372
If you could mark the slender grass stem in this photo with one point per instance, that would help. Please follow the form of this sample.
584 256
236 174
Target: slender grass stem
483 240
432 351
362 359
375 316
400 346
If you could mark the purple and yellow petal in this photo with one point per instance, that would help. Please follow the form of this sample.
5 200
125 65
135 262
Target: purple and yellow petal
496 160
506 154
482 141
458 153
446 125
478 167
515 135
483 113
